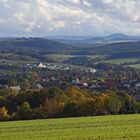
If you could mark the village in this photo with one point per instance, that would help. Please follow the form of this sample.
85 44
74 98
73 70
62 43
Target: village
63 76
46 66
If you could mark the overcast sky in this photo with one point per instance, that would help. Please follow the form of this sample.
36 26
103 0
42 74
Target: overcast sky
69 17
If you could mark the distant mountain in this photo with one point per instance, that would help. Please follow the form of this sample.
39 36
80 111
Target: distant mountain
117 36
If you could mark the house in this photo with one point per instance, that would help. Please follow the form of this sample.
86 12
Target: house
85 84
76 81
91 70
92 86
3 86
67 68
51 67
47 80
82 85
136 97
41 65
100 85
126 84
110 83
137 85
17 88
39 86
53 78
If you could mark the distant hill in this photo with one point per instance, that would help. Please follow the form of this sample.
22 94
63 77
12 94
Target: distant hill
76 37
96 40
118 47
115 50
33 48
33 43
117 36
40 47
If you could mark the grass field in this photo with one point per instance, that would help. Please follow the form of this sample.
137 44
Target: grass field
137 66
61 57
124 127
120 61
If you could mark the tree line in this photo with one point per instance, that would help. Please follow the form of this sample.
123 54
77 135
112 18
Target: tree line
55 102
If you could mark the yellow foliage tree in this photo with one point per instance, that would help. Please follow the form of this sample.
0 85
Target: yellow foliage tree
3 112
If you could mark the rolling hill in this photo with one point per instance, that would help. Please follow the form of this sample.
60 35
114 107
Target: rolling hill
40 47
92 41
38 43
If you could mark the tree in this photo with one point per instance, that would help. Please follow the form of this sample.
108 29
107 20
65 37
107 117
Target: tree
53 92
12 82
24 111
51 107
113 104
70 110
26 85
135 106
3 113
25 105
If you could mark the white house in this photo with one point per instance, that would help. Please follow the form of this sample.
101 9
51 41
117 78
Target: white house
41 65
91 70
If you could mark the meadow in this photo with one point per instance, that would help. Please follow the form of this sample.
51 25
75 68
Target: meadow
118 127
120 61
60 58
137 66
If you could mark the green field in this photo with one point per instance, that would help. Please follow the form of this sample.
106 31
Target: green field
124 127
62 57
120 61
137 66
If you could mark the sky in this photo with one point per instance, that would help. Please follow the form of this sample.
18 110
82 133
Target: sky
69 17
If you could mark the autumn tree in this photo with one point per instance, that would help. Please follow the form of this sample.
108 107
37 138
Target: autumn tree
51 107
3 113
24 111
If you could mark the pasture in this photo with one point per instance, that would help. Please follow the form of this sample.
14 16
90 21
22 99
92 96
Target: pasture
123 127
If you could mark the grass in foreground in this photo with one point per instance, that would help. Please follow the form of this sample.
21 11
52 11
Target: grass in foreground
123 127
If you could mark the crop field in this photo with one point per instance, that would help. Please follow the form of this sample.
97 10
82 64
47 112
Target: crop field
123 127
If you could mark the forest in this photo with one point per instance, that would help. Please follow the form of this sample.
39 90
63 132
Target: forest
55 102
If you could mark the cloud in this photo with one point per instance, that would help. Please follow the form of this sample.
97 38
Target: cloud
2 21
85 17
74 1
107 1
87 3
